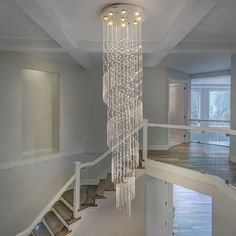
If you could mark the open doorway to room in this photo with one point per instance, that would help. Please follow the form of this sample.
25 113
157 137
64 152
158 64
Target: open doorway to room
192 213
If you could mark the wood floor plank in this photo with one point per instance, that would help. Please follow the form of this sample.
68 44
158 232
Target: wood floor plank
193 213
210 159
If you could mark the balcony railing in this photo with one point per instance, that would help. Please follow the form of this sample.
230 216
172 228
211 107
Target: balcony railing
216 138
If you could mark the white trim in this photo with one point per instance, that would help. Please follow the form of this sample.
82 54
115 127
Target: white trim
197 128
211 74
8 165
38 152
61 219
154 168
95 181
48 228
47 208
95 162
158 147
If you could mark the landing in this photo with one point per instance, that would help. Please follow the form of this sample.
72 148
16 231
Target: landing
200 157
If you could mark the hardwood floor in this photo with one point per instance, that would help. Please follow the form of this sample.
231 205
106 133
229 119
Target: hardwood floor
193 213
200 157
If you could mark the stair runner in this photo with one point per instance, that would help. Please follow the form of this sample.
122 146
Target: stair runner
53 225
88 196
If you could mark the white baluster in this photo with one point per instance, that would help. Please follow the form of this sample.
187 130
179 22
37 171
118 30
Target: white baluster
145 139
76 189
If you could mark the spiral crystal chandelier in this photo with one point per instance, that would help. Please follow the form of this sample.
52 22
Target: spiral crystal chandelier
122 93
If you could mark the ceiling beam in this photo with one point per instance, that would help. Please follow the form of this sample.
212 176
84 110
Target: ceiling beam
205 47
43 13
186 20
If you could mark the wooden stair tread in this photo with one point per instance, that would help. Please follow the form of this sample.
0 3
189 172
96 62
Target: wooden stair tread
40 230
55 224
100 189
65 212
109 186
83 194
91 195
69 196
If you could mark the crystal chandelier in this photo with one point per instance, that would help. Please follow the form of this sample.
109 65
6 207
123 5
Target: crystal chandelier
122 93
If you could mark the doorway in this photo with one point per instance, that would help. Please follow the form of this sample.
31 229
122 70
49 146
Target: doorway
178 111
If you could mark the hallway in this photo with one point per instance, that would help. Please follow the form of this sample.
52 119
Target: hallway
210 159
192 214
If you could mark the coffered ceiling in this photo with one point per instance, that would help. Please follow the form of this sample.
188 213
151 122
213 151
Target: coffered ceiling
176 32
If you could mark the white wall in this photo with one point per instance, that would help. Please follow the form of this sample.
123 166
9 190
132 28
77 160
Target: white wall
38 106
224 204
81 107
159 207
108 221
26 190
155 100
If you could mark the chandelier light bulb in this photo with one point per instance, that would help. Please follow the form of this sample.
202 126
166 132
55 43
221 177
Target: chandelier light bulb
110 13
122 19
139 18
135 22
105 18
137 13
110 23
123 24
123 11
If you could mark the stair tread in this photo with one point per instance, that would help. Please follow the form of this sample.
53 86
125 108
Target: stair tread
65 212
91 195
100 188
83 193
69 196
55 224
109 186
40 230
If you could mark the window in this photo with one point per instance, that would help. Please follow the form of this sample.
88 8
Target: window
210 107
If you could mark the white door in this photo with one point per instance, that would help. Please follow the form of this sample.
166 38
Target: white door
178 111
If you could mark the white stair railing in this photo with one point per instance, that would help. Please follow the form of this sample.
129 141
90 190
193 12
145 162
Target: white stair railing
75 180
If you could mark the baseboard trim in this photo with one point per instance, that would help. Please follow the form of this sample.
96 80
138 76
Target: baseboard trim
158 147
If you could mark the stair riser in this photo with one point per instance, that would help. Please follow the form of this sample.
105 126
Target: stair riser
48 228
61 219
67 203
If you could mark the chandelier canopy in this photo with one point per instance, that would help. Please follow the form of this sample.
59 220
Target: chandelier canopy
122 93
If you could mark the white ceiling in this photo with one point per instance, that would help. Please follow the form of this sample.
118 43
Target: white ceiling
198 63
82 18
218 25
194 36
15 24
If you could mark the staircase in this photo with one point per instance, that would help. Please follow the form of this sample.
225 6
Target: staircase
59 220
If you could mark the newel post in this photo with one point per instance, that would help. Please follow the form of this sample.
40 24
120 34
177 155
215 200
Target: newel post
76 206
145 139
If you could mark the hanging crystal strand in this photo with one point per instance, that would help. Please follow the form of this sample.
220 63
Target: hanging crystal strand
122 92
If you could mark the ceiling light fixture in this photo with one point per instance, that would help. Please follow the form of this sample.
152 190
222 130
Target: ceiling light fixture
122 92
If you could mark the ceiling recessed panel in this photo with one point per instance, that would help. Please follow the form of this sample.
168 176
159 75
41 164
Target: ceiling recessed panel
218 25
198 63
82 17
15 24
